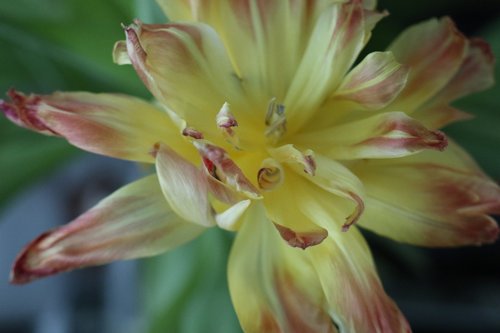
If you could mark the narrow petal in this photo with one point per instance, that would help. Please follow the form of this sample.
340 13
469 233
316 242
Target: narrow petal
386 135
109 124
185 186
476 73
273 287
434 51
430 200
375 82
186 67
133 222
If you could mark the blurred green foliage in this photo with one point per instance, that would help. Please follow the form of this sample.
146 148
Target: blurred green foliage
49 45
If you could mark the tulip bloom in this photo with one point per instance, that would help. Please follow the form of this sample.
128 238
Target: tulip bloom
265 125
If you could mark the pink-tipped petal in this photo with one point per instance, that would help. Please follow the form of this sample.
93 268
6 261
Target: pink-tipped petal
374 83
109 124
133 222
433 51
430 200
386 135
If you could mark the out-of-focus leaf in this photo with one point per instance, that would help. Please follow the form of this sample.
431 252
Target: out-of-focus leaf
481 135
186 289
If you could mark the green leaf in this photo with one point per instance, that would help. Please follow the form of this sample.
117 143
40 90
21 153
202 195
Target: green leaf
186 289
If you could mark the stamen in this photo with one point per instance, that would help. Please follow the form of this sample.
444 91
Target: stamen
275 121
226 121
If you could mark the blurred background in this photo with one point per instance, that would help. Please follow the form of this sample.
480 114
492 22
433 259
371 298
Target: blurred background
48 45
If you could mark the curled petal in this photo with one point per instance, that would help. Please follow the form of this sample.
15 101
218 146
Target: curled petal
222 169
120 53
185 187
286 295
375 82
434 51
133 222
109 124
270 175
386 135
431 201
291 155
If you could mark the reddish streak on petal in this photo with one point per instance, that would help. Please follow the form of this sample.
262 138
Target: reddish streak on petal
301 239
23 111
193 133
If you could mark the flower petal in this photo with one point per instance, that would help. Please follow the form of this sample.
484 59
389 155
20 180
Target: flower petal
186 68
333 46
185 187
375 82
386 135
434 51
430 200
475 74
273 286
357 301
109 124
133 222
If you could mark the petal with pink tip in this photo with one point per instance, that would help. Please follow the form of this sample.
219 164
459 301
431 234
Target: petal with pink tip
475 74
133 222
375 82
273 286
109 124
434 51
430 200
386 135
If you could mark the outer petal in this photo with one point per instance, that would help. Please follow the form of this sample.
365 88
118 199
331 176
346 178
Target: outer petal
430 200
273 287
186 67
374 83
434 51
356 299
133 222
109 124
475 74
385 135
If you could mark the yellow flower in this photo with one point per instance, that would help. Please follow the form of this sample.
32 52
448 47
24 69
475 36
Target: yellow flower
265 125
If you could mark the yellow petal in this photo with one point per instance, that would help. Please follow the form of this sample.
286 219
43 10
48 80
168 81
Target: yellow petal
434 51
186 67
133 222
297 230
185 187
430 200
373 83
109 124
337 38
273 287
386 135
